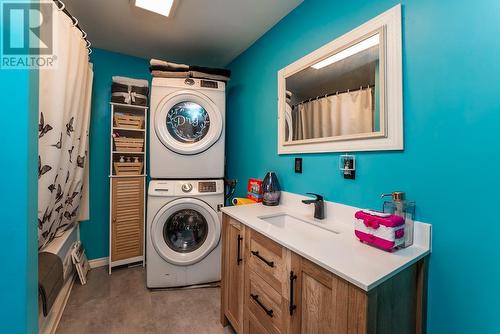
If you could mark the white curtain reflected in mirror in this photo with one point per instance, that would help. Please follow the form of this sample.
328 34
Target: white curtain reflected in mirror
336 115
338 97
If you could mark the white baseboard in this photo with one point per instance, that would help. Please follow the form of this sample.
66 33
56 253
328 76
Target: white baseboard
101 262
48 325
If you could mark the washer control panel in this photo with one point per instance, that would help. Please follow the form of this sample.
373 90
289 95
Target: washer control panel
181 188
207 187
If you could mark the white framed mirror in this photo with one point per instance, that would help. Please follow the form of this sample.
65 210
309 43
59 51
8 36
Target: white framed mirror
347 95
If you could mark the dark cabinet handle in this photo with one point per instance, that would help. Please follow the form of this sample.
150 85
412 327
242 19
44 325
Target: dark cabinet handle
256 298
269 263
293 277
238 257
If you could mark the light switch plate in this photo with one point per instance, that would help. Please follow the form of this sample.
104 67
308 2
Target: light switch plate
298 165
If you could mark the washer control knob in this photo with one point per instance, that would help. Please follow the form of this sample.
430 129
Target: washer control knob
187 187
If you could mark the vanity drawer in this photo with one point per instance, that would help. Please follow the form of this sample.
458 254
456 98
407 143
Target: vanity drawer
253 325
266 308
269 260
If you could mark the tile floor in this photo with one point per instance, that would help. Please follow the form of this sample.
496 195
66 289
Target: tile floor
121 303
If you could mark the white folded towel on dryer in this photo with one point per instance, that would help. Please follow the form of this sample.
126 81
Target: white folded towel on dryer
158 62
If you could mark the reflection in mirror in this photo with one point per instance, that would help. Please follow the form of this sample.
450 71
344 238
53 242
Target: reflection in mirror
338 97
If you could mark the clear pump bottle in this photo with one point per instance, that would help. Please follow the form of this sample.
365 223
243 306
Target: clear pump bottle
399 206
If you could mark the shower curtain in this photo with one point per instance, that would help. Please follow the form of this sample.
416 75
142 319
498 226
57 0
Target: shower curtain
64 115
335 115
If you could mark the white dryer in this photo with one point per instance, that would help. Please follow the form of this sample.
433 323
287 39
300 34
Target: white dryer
183 232
187 128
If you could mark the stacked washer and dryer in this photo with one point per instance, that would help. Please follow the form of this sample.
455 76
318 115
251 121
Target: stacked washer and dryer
187 188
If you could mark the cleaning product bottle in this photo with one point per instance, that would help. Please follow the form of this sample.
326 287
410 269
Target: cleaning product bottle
401 207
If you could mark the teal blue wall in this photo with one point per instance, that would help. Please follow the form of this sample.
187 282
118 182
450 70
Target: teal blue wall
18 204
451 157
95 232
19 246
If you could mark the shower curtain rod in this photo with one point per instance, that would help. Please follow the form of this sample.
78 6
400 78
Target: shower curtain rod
61 6
337 92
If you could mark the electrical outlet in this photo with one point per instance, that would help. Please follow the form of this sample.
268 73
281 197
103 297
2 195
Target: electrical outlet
349 169
298 165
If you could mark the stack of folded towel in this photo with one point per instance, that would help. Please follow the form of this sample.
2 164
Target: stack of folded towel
129 91
165 69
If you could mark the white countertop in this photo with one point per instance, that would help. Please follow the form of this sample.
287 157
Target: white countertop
340 253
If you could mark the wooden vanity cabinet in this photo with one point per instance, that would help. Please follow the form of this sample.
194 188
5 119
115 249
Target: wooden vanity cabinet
233 248
275 291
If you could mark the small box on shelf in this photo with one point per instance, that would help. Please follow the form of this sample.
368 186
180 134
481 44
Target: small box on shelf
127 144
128 121
128 168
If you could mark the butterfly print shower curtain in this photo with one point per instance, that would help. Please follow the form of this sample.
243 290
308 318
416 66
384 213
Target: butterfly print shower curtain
64 115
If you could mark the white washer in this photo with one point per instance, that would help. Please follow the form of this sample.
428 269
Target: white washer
187 128
183 232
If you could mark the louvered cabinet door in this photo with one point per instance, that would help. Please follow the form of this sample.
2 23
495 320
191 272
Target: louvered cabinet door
127 218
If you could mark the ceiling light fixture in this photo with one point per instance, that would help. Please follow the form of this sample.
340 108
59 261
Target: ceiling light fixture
356 48
162 7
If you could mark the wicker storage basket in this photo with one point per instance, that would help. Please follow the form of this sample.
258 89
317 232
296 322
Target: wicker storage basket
124 144
129 121
128 168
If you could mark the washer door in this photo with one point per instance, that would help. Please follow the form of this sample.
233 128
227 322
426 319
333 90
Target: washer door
185 231
188 122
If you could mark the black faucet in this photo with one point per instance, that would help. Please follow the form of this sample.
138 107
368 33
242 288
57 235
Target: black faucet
319 205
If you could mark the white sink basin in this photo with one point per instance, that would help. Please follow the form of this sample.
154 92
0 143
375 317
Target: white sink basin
284 220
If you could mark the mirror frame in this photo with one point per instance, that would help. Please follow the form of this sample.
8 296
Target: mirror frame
391 135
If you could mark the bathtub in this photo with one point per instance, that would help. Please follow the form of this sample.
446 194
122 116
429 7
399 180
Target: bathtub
61 247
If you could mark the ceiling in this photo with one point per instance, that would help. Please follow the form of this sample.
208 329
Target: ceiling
201 32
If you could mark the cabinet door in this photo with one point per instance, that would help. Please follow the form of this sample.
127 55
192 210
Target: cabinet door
325 303
127 218
232 280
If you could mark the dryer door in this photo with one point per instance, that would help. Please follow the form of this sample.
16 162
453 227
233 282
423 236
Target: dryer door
188 122
185 231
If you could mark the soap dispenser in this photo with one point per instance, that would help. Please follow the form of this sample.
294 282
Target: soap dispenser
399 206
